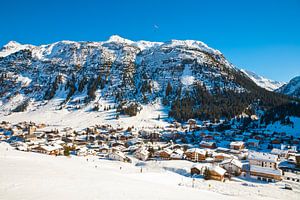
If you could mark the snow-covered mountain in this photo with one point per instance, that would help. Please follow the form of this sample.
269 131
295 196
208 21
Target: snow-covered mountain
263 82
292 88
126 73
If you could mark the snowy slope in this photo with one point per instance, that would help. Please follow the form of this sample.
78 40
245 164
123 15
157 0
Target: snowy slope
292 88
263 82
13 47
118 68
25 175
33 176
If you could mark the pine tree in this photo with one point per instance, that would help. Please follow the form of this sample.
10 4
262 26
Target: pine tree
169 89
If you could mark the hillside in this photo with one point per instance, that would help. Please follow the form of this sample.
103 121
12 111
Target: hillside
263 82
187 76
292 88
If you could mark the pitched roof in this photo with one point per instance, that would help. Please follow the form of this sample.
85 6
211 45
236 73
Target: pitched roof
266 157
233 161
265 170
196 150
237 143
218 169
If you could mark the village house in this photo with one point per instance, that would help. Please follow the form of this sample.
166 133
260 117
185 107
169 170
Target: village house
195 154
48 149
216 173
197 169
192 124
30 138
253 143
237 145
177 154
142 154
280 152
209 145
165 154
264 166
232 166
218 157
213 172
119 156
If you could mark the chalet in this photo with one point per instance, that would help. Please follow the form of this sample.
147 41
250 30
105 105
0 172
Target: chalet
291 171
154 136
222 150
253 143
264 166
119 156
21 146
215 173
263 159
208 137
104 149
279 152
265 173
195 154
47 149
237 145
177 154
142 154
192 124
30 138
165 154
209 145
197 169
275 141
232 166
82 151
218 157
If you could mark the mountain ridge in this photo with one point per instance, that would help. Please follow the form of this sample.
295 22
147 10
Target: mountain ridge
127 73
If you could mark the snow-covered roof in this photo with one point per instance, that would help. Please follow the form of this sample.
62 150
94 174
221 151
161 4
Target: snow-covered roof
52 147
266 157
236 143
218 169
207 143
168 151
120 154
196 150
265 170
278 151
234 162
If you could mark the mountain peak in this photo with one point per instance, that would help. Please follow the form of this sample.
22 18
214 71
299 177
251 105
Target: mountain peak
119 39
193 44
292 88
12 47
12 44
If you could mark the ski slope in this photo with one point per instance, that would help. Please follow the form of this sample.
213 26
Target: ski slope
31 176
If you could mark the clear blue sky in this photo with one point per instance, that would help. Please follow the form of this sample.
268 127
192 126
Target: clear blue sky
259 35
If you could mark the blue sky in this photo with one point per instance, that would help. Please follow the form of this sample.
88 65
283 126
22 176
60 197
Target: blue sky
258 35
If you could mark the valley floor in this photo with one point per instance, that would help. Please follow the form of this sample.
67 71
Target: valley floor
32 176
